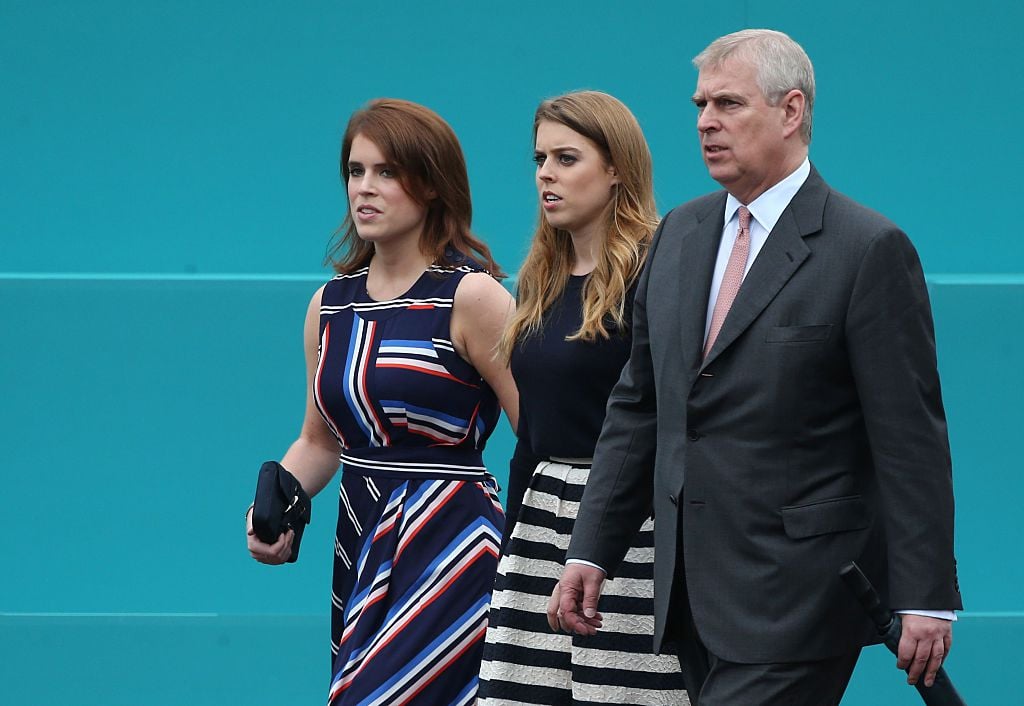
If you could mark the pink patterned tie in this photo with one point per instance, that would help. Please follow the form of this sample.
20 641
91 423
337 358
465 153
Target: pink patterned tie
731 280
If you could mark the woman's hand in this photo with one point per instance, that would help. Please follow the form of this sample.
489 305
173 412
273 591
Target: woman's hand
277 553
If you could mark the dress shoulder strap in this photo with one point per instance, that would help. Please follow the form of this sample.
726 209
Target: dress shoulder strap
344 288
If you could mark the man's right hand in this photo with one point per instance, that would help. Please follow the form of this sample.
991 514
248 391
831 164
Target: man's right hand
924 645
573 604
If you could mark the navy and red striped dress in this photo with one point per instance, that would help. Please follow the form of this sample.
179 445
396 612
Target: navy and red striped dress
419 518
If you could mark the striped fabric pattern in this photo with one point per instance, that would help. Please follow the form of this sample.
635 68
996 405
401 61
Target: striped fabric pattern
388 377
419 356
417 539
525 662
411 594
449 470
431 423
354 385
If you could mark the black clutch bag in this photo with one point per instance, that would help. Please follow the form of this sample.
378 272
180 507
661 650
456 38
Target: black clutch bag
281 504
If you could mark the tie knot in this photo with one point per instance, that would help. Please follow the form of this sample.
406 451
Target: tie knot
744 218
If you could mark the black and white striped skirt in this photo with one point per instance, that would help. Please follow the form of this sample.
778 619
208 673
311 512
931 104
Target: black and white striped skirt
524 661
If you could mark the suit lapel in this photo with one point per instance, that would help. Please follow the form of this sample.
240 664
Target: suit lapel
782 255
699 249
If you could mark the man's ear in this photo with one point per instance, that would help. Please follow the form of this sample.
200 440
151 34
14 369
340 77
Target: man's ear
794 104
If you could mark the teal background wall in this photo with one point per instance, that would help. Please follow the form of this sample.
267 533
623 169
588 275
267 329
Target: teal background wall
168 185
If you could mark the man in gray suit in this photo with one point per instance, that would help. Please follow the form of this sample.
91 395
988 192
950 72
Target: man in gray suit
780 411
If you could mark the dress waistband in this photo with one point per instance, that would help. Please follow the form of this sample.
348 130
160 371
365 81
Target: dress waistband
433 462
571 461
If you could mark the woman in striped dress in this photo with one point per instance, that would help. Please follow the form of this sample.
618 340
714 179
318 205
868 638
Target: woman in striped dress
404 388
567 344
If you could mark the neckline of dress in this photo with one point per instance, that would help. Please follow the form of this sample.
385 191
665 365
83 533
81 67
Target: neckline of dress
404 295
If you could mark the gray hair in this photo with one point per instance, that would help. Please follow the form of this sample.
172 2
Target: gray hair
781 65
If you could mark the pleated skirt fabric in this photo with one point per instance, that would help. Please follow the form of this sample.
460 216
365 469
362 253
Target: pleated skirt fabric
413 573
524 662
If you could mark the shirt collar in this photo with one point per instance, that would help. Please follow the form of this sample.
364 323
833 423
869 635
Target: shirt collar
767 208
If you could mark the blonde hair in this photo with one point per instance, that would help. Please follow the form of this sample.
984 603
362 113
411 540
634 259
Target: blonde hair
631 217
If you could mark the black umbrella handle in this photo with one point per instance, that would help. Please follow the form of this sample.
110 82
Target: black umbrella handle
890 627
857 582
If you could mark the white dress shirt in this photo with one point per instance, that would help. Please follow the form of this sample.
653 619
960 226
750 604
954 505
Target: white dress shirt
765 212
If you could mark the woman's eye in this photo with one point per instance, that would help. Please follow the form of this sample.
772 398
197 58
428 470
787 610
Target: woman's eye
387 173
538 159
566 159
355 171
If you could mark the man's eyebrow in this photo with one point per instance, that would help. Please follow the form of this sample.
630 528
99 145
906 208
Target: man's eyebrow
717 95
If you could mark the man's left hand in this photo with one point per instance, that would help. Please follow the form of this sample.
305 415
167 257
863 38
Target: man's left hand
924 645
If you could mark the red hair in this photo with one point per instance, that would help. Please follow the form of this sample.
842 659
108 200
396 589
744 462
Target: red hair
428 162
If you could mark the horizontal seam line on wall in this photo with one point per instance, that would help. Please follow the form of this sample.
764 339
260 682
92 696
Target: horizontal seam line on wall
161 277
940 278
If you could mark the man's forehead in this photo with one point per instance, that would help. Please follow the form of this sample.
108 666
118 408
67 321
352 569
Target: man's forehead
731 75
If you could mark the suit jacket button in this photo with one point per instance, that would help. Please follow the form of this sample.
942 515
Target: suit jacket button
692 435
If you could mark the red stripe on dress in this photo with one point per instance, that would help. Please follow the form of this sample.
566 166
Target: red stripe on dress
470 640
441 441
423 520
446 376
387 526
471 559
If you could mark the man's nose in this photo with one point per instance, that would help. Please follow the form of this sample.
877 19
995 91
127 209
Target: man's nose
706 121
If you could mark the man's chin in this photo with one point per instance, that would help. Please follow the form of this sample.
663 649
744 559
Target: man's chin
720 172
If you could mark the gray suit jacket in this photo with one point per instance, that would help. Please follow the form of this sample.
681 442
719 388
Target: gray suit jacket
813 434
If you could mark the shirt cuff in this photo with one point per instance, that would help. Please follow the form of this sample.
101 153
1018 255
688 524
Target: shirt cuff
586 563
941 614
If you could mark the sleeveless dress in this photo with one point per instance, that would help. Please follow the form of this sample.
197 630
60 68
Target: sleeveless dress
563 389
419 518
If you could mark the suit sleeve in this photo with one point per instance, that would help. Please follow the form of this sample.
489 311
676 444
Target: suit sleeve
618 495
891 342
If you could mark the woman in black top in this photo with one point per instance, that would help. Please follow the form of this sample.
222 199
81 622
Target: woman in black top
567 344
